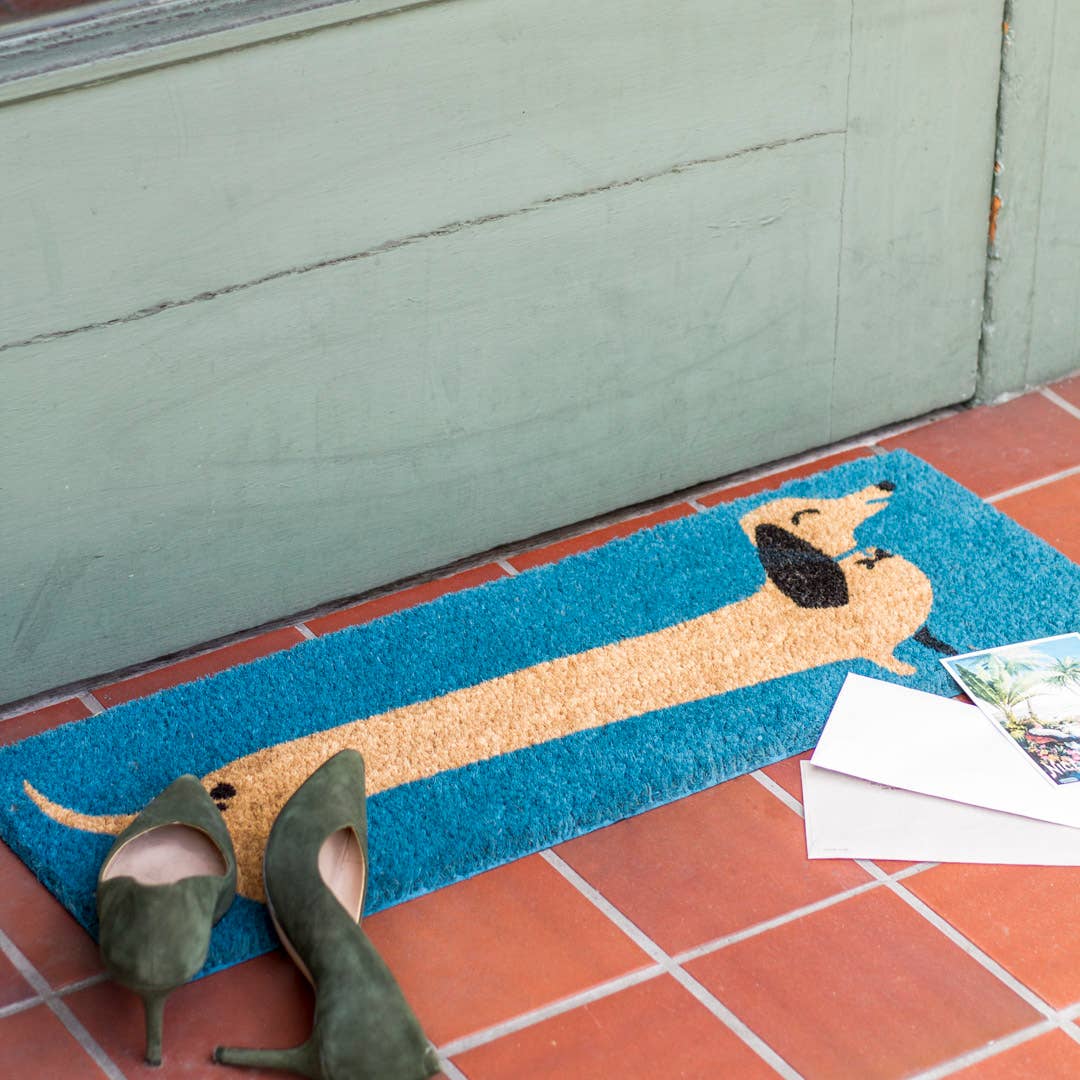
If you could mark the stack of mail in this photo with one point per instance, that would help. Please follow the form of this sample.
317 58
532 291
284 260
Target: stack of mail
901 774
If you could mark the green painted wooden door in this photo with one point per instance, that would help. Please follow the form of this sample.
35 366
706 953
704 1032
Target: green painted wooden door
289 320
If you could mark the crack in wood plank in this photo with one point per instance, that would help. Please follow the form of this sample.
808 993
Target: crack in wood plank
405 241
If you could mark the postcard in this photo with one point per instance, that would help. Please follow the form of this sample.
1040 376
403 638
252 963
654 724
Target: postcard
1031 693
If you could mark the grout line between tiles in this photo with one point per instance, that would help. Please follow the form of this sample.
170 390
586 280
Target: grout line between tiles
733 1023
507 567
60 1009
450 1070
82 984
91 702
1031 485
908 871
673 968
546 1012
37 999
785 796
84 1038
598 900
737 936
1060 402
305 630
20 1006
697 506
985 1052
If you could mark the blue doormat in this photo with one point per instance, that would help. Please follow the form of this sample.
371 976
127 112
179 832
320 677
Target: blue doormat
499 721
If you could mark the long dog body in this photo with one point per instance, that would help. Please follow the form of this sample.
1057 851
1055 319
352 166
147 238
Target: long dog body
821 602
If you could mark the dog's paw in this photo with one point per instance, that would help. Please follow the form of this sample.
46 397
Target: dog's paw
897 667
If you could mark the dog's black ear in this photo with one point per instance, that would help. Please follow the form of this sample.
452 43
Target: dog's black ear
799 570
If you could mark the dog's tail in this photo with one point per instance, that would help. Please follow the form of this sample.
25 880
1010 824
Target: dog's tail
924 637
110 824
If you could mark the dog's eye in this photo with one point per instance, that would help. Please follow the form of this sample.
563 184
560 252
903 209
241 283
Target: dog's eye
802 513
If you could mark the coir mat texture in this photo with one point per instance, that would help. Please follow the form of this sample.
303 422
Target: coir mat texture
501 720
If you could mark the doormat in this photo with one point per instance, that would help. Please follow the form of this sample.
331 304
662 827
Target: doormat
499 721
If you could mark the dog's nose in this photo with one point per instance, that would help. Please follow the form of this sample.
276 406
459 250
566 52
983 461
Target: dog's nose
886 485
221 794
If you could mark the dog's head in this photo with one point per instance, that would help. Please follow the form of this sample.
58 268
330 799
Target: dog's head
799 541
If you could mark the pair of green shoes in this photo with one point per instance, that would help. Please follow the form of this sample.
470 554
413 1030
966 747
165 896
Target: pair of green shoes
172 874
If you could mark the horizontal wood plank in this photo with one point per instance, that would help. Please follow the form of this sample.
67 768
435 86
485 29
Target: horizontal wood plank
199 177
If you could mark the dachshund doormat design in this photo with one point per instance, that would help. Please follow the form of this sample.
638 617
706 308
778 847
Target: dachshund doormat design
499 721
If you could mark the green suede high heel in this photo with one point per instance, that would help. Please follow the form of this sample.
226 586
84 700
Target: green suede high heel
315 873
168 878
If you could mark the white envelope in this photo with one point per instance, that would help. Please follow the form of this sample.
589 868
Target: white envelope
901 774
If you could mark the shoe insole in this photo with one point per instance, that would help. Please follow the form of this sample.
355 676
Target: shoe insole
341 866
166 854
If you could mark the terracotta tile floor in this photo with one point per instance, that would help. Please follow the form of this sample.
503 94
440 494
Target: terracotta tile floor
693 941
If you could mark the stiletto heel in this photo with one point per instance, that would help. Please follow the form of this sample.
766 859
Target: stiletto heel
315 873
302 1059
168 878
154 1005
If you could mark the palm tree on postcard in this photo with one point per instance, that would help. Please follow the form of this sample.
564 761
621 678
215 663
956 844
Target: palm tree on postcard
1006 680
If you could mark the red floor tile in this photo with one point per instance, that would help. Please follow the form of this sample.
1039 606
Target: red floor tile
263 1002
1051 511
550 553
61 950
1050 1057
499 944
866 988
648 1032
710 864
34 1044
1016 914
33 723
994 448
198 667
771 483
1069 389
404 598
13 987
